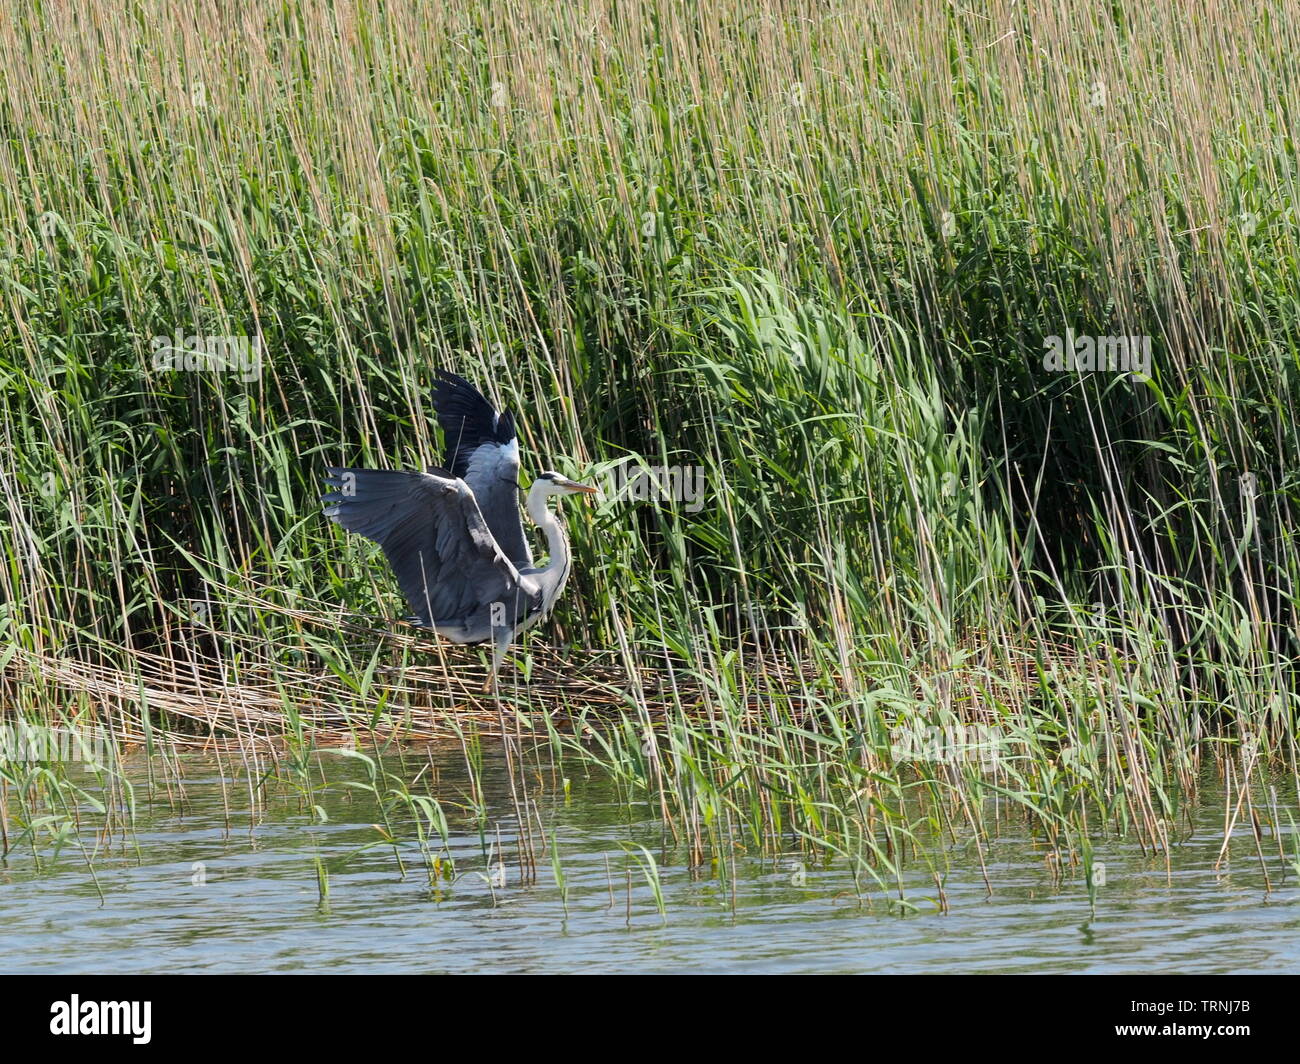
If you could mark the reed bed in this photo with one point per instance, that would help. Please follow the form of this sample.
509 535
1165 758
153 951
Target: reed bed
811 254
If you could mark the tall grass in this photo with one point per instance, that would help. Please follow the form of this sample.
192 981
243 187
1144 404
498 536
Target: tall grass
813 251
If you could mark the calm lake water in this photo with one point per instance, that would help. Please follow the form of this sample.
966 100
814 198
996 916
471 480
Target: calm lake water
205 885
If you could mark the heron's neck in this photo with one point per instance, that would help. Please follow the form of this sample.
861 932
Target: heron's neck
557 543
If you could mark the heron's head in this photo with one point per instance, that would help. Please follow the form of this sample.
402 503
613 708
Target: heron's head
552 483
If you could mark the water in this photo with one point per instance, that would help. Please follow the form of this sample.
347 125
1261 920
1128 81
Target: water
207 886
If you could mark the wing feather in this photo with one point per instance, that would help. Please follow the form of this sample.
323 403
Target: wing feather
433 534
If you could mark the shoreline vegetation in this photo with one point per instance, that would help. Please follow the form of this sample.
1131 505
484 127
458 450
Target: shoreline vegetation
815 262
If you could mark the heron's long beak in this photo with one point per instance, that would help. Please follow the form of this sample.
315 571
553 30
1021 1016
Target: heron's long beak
585 489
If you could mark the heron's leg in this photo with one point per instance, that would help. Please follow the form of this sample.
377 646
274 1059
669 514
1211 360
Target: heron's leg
500 645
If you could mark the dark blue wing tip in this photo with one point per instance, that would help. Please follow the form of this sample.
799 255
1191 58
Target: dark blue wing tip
505 427
446 381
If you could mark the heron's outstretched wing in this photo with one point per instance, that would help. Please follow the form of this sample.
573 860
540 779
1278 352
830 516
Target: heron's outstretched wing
483 450
443 553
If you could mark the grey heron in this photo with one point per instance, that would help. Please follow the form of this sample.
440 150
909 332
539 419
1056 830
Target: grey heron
453 535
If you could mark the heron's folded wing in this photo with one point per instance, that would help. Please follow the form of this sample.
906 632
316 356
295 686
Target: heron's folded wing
483 450
431 530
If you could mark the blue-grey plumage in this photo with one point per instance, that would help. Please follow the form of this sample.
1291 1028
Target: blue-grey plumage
453 534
